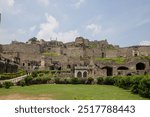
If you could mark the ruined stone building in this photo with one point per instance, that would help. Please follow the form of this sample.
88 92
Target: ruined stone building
81 58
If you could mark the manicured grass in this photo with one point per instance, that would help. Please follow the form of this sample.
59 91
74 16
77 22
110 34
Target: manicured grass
71 92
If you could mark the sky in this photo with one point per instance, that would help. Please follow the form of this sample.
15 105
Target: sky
121 22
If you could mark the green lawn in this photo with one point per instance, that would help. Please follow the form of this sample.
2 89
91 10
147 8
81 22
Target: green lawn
69 92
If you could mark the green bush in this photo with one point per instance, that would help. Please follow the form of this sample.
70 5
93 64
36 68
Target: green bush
22 83
135 84
57 80
65 80
82 80
41 80
144 87
108 81
1 86
100 80
7 84
75 81
41 74
125 83
28 80
6 76
90 80
34 73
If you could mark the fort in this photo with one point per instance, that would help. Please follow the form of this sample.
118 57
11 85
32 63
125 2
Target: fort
81 58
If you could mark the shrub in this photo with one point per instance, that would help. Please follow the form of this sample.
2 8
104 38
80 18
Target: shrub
22 83
52 81
125 83
82 80
1 86
28 80
144 87
135 84
57 80
7 84
34 73
65 80
41 80
109 81
75 81
90 80
41 74
100 80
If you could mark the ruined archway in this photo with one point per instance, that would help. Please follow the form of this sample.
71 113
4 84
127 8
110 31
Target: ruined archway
85 74
79 74
123 68
103 55
68 66
109 70
140 66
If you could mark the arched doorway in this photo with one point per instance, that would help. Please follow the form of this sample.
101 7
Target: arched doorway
140 66
79 74
109 71
68 66
123 68
84 74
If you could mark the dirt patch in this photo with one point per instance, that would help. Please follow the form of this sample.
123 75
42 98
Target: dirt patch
25 97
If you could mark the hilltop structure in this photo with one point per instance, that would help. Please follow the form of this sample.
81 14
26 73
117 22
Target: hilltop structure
81 58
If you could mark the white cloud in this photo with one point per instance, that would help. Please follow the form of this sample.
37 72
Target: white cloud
48 30
31 29
94 28
10 2
4 4
78 3
9 6
145 43
44 2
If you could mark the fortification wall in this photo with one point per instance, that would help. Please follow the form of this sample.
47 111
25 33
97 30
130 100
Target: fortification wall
22 48
111 53
73 51
144 50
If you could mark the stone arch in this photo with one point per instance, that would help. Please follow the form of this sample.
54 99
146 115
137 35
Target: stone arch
109 70
85 74
79 74
29 64
69 66
23 64
140 66
129 74
122 68
103 55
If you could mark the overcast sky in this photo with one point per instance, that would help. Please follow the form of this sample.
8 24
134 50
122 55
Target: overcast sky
121 22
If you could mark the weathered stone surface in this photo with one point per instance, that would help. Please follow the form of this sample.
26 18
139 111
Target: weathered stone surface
58 55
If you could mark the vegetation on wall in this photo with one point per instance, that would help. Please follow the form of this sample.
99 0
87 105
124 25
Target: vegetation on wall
110 47
118 60
92 45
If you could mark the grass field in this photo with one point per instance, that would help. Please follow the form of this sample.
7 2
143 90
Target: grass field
67 92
